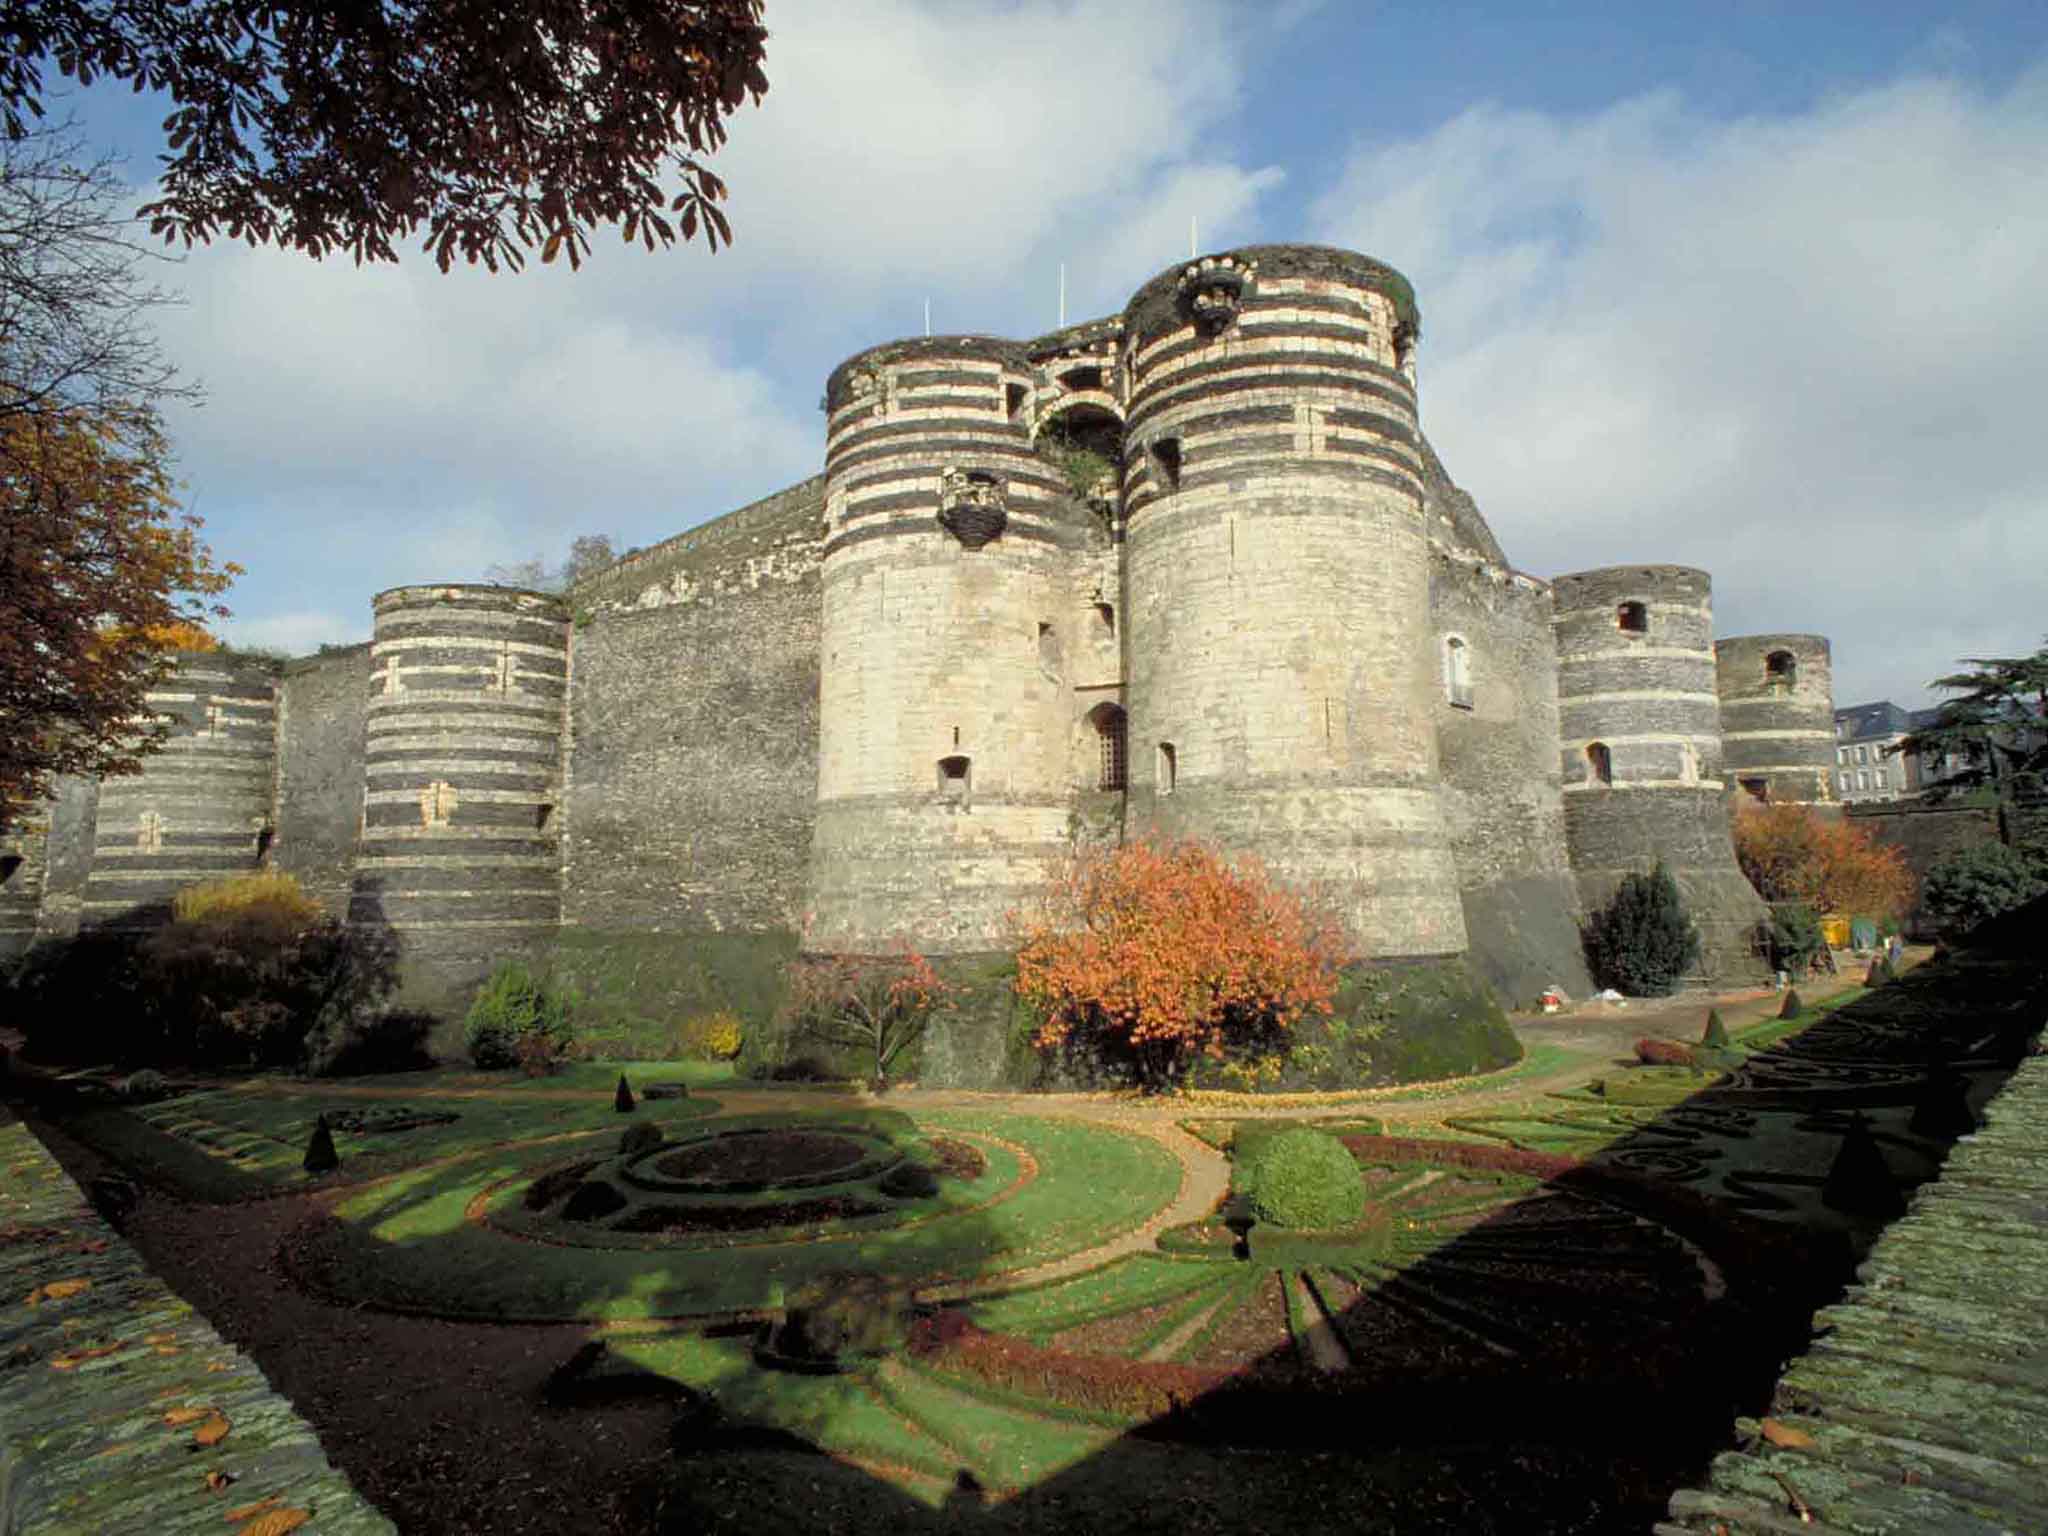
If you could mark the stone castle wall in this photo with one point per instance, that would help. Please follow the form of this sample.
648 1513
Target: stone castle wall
882 703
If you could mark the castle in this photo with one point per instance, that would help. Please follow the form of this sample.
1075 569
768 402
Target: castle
1190 570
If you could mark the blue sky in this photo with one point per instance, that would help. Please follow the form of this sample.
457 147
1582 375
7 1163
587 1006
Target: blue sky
1760 288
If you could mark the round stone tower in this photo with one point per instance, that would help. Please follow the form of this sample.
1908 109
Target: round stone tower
944 760
1640 731
1777 716
1280 664
460 855
201 808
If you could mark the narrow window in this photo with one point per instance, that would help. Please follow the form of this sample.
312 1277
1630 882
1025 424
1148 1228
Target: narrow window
1014 397
1781 669
1458 672
9 863
542 815
1632 619
1049 657
1166 770
1599 762
1113 742
437 804
264 838
1105 618
1756 789
1166 454
953 777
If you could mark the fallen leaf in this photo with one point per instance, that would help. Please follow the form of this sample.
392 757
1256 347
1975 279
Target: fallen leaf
276 1523
57 1290
159 1338
216 1480
179 1417
1782 1434
250 1511
213 1431
218 1365
64 1362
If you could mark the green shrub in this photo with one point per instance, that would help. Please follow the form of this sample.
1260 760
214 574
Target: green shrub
1716 1034
643 1137
1794 938
1301 1178
1792 1007
1975 884
1642 943
517 1020
909 1180
841 1317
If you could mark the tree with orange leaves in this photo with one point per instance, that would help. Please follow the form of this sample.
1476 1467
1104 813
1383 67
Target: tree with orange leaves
1151 954
1792 853
100 576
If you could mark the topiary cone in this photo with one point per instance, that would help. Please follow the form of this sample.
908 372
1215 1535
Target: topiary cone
320 1154
1717 1032
1792 1007
622 1101
1859 1183
1879 973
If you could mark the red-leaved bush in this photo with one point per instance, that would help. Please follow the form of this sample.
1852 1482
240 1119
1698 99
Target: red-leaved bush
1150 954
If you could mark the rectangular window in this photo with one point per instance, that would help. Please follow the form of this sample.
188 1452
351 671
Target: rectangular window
1167 768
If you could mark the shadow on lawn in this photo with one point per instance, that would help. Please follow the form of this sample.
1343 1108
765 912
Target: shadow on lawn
1483 1393
1562 1364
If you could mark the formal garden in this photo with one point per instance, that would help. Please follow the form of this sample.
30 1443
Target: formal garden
708 1291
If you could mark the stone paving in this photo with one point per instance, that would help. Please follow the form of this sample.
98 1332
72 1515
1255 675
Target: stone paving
1922 1405
121 1409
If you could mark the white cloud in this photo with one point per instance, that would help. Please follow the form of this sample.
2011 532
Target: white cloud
1800 351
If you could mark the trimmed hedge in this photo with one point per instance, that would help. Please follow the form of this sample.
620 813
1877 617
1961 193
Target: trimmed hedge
1302 1177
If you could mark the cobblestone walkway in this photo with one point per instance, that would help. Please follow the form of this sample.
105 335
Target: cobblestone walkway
121 1410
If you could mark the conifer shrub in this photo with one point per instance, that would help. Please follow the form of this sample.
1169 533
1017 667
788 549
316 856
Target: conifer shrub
1795 938
1642 942
623 1100
518 1019
1879 973
320 1154
1716 1033
1792 1007
1301 1178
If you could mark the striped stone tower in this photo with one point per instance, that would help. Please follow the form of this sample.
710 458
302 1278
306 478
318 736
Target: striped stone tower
460 854
1641 753
943 754
202 807
1777 716
22 850
1281 673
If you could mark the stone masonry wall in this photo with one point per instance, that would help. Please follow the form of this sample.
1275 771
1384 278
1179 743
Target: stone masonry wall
693 757
322 706
1496 720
